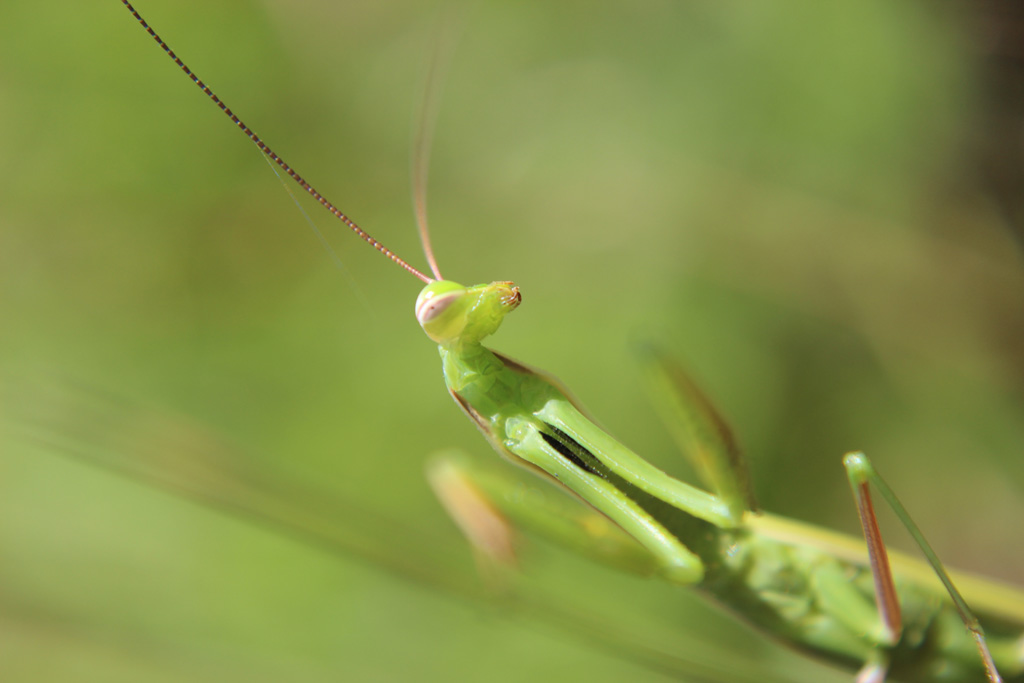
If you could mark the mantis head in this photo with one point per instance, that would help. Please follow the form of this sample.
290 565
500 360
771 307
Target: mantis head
453 315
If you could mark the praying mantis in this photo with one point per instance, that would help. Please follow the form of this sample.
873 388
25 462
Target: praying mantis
799 583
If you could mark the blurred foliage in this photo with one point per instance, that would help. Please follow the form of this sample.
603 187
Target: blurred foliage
790 195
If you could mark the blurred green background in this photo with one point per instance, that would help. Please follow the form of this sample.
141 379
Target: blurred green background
796 199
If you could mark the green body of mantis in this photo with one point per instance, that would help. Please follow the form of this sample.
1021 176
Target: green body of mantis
816 590
809 587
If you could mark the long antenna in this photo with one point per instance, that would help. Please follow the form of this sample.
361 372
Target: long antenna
426 120
272 155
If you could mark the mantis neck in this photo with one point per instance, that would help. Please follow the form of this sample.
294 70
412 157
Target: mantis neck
469 364
492 388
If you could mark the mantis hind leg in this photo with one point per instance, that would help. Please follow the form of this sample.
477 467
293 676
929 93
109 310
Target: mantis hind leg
862 474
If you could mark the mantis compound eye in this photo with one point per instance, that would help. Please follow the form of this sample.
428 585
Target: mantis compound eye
431 305
441 310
